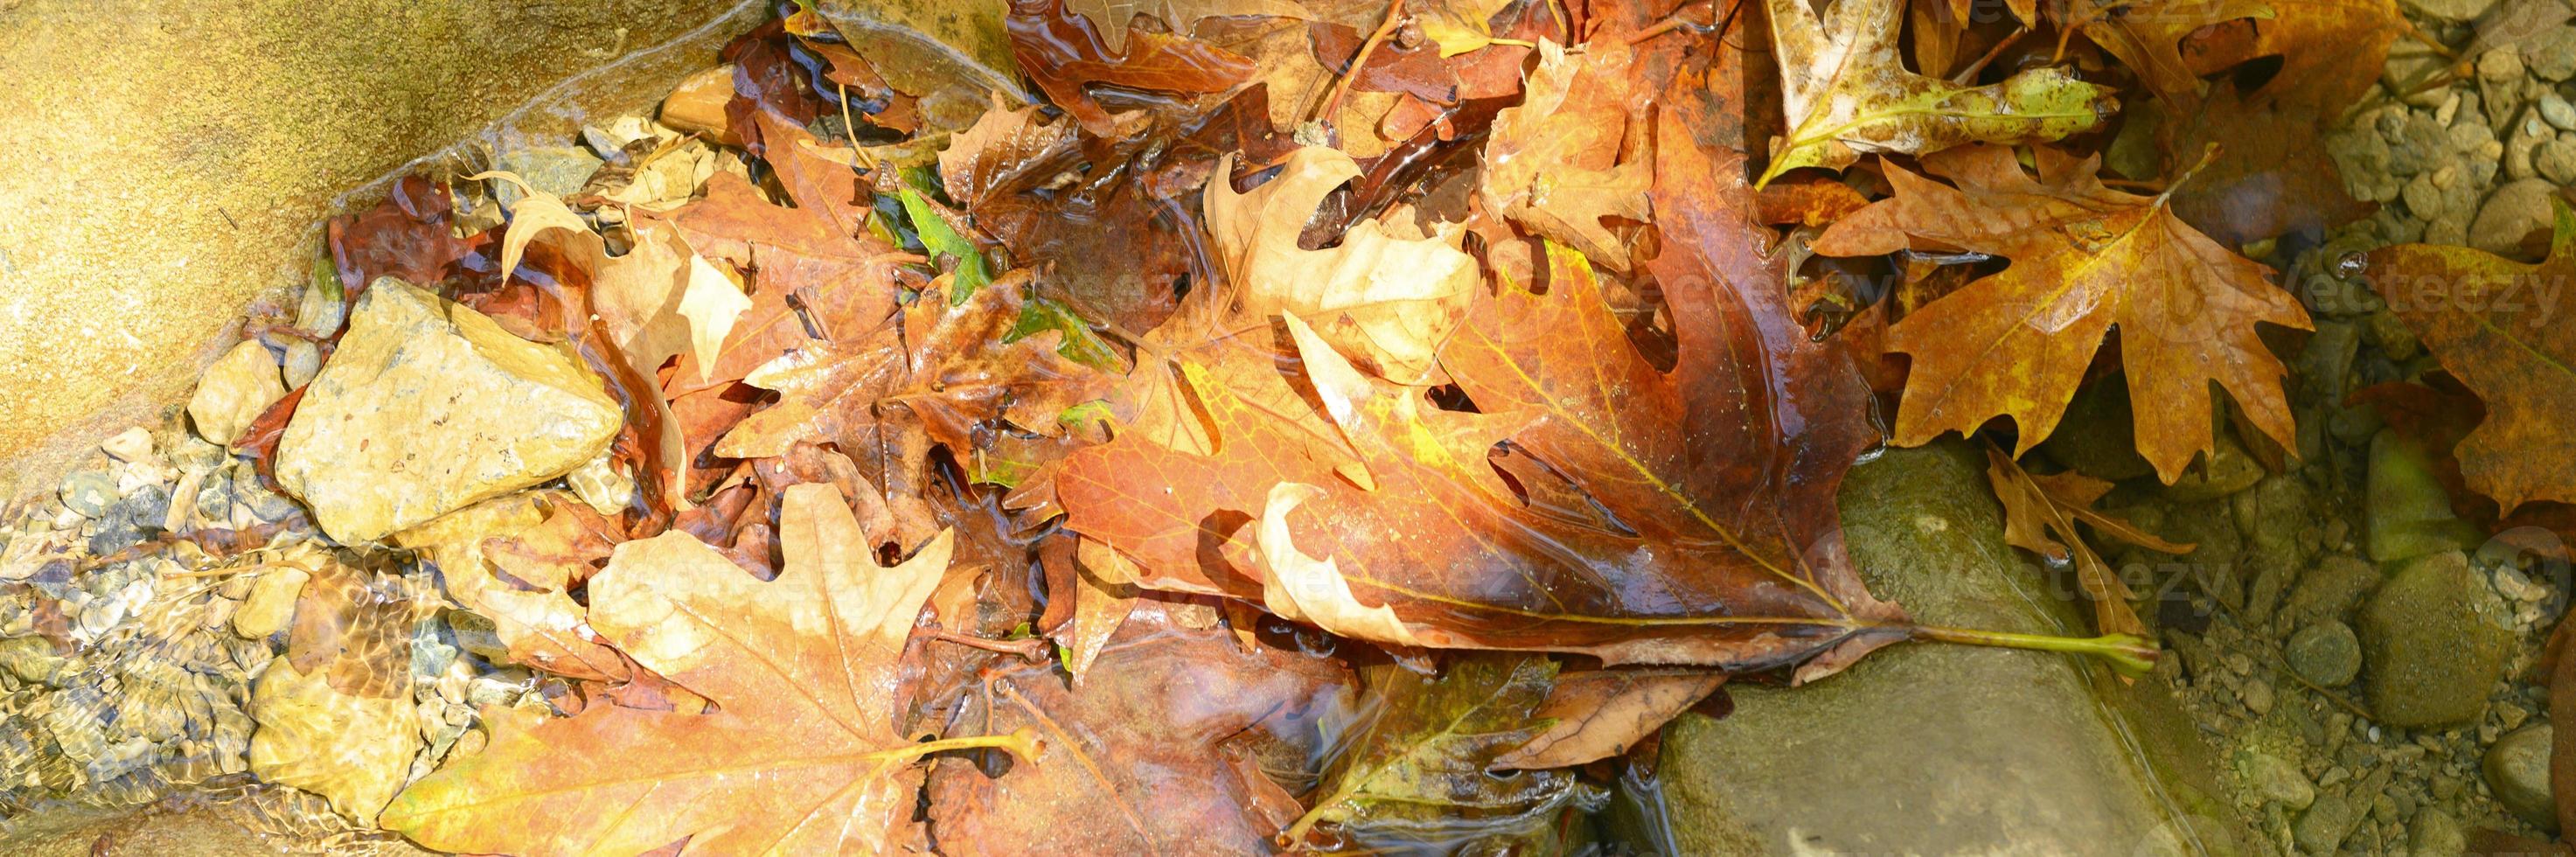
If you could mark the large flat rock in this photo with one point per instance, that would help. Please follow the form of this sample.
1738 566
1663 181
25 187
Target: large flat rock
429 406
169 160
1930 748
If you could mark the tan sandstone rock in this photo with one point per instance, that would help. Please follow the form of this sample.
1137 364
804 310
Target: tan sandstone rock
429 406
354 750
234 392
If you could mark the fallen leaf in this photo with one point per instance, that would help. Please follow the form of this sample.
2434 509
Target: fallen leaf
1113 16
2147 37
1138 759
1387 293
2016 343
1847 92
2498 325
1420 759
1598 714
533 616
803 672
2271 177
1065 54
1459 26
2039 516
1553 161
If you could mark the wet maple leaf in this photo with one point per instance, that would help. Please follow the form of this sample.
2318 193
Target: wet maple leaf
1847 92
2500 327
2039 516
1065 54
1552 162
802 754
1420 759
1387 293
2084 257
1434 548
1145 756
2271 177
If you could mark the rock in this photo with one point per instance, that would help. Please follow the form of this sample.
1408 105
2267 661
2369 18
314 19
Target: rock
601 486
1754 782
234 391
2258 696
89 493
2407 513
2226 469
2519 154
271 602
2555 110
558 170
2361 155
2551 54
2322 828
697 105
303 361
2410 63
2436 834
2517 770
2325 653
2423 199
131 445
2390 335
2556 161
2275 781
478 412
2500 66
354 750
2435 639
2325 365
2515 220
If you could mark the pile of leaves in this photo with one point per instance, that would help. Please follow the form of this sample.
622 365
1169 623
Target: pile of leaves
1307 424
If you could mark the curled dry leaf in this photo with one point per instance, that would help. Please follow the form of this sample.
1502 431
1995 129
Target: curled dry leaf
802 754
1847 92
2015 344
2500 327
2039 516
1387 294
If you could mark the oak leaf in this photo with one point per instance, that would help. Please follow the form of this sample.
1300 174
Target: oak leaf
2500 327
1388 294
1847 92
2039 516
2084 257
535 618
802 754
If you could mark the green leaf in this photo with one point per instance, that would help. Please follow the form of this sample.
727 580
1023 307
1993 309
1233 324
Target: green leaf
1081 344
938 239
1414 766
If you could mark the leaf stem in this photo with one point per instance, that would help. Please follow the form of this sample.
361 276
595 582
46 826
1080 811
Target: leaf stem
1022 742
1332 101
2129 654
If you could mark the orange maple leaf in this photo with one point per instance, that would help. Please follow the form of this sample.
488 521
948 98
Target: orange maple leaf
803 754
2084 257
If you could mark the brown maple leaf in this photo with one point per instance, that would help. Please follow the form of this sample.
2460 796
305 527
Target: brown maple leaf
1553 161
2039 516
2147 36
802 754
2500 327
2084 256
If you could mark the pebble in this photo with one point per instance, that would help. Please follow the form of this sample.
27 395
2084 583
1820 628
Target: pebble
2325 653
2552 54
2435 641
2436 834
2512 214
271 602
2258 696
2500 66
131 445
89 493
2275 781
2517 771
2556 161
2555 110
2322 828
